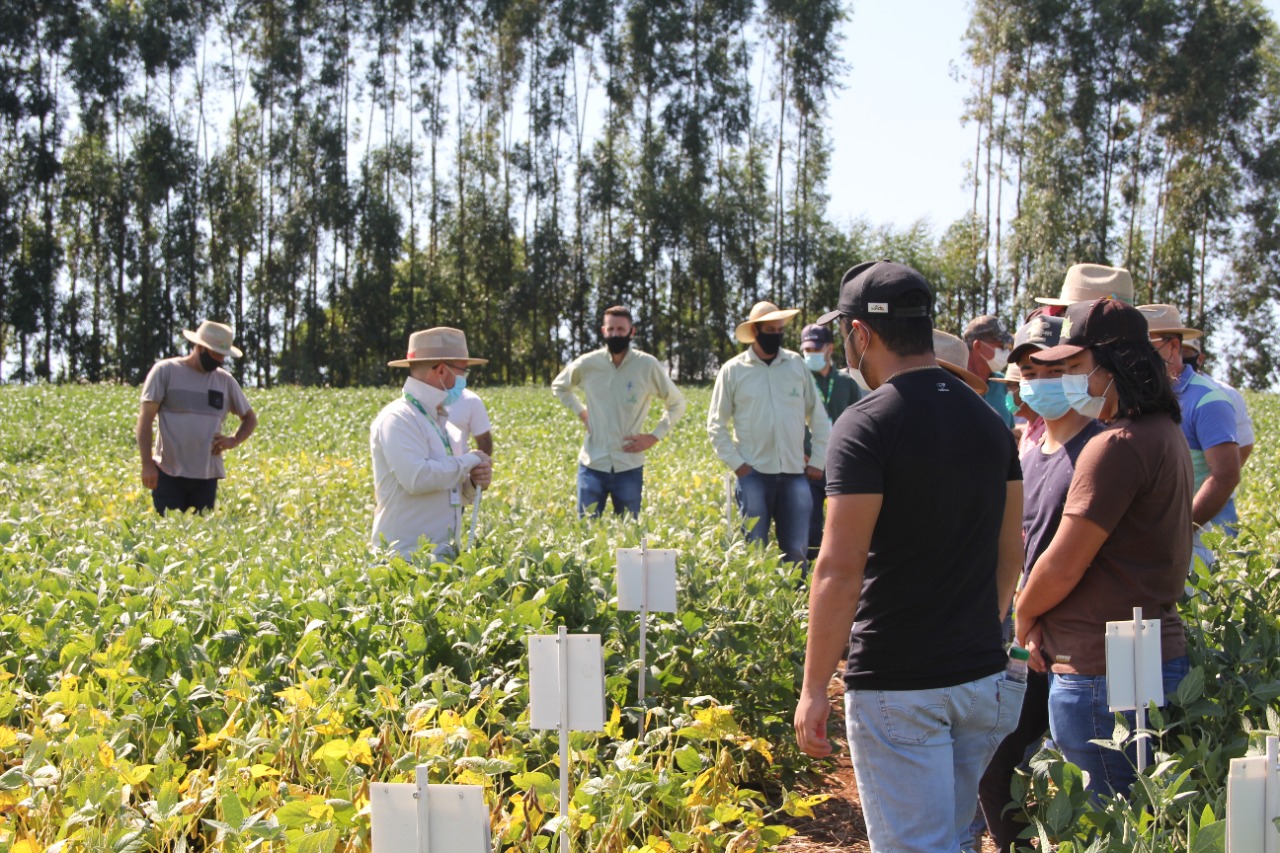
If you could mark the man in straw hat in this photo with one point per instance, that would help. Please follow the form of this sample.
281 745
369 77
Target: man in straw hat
1208 422
762 401
619 382
192 395
922 547
422 475
1087 283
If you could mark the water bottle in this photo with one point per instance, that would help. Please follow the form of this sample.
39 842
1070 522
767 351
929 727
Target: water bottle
1016 670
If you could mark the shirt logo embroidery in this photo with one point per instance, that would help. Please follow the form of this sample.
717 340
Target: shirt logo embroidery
1066 329
942 386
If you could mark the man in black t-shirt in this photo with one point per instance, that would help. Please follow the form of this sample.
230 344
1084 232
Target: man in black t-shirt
920 555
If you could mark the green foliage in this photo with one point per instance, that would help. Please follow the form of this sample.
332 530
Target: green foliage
238 679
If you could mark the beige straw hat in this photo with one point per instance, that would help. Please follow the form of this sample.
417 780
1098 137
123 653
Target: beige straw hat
213 336
439 344
761 312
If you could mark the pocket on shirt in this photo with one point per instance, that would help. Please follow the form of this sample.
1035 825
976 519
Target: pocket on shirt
216 400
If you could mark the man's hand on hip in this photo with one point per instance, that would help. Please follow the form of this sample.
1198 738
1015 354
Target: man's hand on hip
812 473
638 443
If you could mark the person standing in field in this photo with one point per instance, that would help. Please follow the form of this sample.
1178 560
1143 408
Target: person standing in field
1124 539
918 563
191 394
619 382
1209 424
839 391
469 419
1193 355
989 343
422 476
762 401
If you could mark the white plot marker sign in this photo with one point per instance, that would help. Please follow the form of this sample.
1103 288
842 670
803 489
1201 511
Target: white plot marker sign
1253 802
420 818
1134 671
566 693
646 582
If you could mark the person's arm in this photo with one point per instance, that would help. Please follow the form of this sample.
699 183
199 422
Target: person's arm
1061 566
719 416
673 409
1224 475
484 441
819 429
144 435
248 423
833 602
1009 561
562 386
417 473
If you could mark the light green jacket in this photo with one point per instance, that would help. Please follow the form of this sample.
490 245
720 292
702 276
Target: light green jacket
618 401
768 406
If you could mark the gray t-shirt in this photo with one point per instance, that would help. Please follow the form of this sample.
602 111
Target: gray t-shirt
193 405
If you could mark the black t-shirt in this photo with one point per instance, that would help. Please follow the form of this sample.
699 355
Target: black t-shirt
1046 480
942 459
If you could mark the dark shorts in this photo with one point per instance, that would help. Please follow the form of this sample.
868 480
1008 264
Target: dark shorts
183 493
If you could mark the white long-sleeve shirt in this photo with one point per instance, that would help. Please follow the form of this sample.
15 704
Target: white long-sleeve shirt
758 413
419 482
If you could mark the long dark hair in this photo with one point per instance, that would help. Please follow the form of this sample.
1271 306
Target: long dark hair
1142 383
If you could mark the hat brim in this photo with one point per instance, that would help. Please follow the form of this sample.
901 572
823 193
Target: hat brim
827 318
1058 353
1053 300
1186 333
744 328
405 362
967 377
232 351
1022 350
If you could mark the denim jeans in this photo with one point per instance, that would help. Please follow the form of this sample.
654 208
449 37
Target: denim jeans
784 501
595 487
817 515
1078 713
918 756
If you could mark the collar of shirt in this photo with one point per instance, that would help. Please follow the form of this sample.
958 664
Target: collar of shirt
430 397
753 356
625 355
1180 384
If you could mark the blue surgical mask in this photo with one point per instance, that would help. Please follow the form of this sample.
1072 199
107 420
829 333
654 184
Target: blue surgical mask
1045 397
454 394
1076 388
815 361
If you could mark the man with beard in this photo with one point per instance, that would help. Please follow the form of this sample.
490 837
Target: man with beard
619 382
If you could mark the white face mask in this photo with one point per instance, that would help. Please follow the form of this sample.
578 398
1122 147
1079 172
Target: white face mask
998 360
856 372
1075 386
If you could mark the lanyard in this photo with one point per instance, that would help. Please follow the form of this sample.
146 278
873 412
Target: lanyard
831 386
448 448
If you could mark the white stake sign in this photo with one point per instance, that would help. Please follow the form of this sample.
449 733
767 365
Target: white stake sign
1134 677
408 817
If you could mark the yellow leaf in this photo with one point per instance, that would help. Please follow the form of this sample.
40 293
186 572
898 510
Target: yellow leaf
613 728
135 776
360 752
257 771
586 821
106 755
8 737
28 845
298 697
386 698
213 741
335 750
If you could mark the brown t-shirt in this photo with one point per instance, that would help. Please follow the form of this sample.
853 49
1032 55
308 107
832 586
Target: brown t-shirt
1135 482
193 405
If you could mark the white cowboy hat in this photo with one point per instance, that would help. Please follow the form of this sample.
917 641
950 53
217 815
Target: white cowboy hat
215 337
1167 318
439 344
1087 282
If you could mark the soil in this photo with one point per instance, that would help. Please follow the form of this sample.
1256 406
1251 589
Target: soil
837 824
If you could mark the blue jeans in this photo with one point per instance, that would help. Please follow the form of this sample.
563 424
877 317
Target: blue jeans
918 756
784 501
1078 713
594 487
817 516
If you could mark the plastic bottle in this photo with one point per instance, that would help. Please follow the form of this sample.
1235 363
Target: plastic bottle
1016 670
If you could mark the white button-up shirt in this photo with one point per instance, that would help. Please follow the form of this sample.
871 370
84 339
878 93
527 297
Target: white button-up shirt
419 482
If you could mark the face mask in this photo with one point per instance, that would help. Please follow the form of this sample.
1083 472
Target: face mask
207 362
856 372
999 360
1045 397
770 342
1076 388
454 394
617 343
1011 405
815 361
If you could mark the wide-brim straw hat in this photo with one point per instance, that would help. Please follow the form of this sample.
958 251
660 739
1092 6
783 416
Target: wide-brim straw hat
761 312
1087 282
1167 318
1012 376
214 336
438 344
952 353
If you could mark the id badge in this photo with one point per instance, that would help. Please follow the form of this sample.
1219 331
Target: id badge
455 497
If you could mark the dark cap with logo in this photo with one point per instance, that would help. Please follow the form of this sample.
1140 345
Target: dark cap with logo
1102 321
879 289
1038 333
815 334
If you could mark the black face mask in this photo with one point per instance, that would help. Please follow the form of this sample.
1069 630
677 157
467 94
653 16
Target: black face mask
617 343
770 342
207 362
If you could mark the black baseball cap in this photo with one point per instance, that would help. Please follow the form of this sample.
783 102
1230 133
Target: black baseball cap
1038 333
1102 321
876 289
813 333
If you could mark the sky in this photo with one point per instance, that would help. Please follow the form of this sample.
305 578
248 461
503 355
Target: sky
899 148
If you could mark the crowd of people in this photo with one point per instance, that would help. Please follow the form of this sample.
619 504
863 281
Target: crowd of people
952 495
